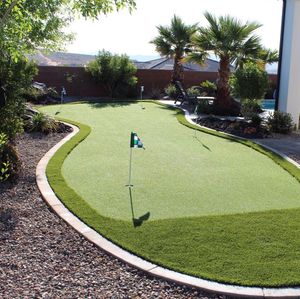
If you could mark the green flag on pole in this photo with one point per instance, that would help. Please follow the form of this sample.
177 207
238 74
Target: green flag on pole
135 141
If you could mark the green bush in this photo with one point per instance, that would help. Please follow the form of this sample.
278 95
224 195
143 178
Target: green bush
194 92
171 91
11 116
249 82
37 95
4 165
280 122
256 120
250 108
39 122
10 164
34 95
15 78
204 107
208 88
115 72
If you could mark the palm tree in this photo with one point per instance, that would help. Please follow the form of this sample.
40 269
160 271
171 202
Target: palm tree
174 41
231 41
266 56
262 57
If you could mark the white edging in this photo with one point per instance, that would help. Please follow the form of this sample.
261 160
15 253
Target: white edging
57 206
189 119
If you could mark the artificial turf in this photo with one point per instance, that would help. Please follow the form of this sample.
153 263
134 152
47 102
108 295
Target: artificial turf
250 248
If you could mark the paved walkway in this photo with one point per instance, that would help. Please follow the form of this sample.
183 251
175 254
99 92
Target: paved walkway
287 144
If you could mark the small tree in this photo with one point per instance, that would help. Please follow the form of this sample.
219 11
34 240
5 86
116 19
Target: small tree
115 72
249 82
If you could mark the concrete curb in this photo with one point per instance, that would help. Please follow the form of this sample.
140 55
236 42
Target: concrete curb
57 206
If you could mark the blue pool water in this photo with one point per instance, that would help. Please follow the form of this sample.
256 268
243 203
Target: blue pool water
268 104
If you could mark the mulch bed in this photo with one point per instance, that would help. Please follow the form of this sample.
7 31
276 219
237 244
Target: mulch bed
234 127
42 257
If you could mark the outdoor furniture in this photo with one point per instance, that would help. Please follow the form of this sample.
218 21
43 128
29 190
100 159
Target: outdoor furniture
196 100
183 95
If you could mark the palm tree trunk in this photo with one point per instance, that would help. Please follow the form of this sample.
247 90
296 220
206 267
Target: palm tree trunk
223 102
177 74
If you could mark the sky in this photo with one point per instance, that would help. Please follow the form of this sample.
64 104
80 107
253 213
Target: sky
125 33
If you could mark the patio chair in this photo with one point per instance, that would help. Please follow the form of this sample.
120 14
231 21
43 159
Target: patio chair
183 95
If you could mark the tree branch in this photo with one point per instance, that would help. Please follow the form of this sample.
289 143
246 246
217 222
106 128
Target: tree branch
7 13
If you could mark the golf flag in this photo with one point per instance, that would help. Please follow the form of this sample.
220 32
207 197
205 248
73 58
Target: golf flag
135 141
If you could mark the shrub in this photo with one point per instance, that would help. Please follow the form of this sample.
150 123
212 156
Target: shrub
9 160
280 122
39 122
15 77
208 88
171 91
250 108
4 165
249 82
11 116
256 120
39 95
194 92
115 72
204 107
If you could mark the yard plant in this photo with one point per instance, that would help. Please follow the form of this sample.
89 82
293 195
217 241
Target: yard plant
115 72
174 41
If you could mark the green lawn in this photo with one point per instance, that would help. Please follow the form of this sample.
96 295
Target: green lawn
233 208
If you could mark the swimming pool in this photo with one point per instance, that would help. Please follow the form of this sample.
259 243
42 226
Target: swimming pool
268 104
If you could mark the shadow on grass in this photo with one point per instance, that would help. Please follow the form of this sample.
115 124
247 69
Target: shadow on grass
137 221
199 140
112 104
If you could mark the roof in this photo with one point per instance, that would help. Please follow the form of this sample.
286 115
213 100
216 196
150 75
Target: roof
80 60
168 64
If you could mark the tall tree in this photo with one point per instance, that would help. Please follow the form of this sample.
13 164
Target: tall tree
30 24
229 39
174 41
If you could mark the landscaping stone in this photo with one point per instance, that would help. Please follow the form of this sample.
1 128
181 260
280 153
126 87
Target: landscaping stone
235 127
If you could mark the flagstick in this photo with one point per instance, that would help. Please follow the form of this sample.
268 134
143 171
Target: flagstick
129 178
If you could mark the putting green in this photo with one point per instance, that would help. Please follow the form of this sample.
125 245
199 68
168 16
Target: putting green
180 174
202 205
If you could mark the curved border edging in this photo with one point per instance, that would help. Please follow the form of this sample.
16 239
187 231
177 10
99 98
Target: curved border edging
58 207
291 166
188 118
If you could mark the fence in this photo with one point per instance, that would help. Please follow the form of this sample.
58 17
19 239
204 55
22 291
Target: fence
79 83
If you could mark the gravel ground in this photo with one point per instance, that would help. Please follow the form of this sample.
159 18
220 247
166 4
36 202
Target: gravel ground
42 257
